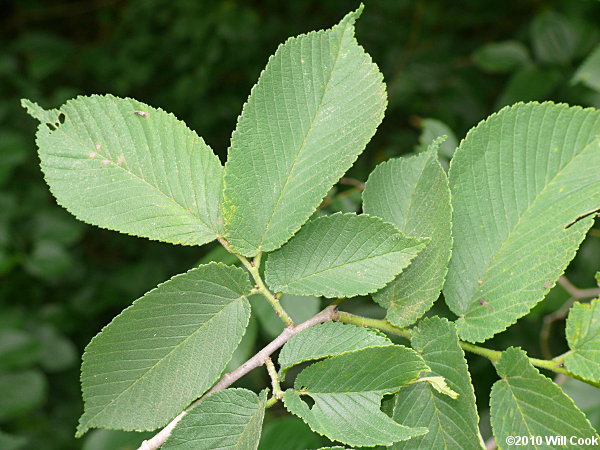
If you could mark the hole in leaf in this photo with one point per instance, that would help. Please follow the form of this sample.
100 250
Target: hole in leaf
308 400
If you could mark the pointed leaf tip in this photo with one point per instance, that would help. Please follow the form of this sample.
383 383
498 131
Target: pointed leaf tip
123 165
49 116
265 204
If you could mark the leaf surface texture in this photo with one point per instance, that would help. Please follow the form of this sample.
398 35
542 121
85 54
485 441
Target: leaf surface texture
147 176
165 350
347 392
524 184
526 403
325 340
583 335
413 194
229 419
452 423
312 112
342 255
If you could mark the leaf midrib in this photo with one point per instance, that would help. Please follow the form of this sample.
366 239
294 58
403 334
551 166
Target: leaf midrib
133 175
303 144
526 214
320 272
246 429
158 362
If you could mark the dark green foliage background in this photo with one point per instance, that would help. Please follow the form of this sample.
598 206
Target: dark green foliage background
61 281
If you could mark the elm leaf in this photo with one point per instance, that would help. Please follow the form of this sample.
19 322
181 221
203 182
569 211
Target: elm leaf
413 194
452 422
312 112
524 184
123 165
526 403
583 335
165 350
347 391
230 419
342 255
326 340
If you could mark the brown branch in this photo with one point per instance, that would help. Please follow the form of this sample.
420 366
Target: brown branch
490 444
574 291
353 182
328 314
575 294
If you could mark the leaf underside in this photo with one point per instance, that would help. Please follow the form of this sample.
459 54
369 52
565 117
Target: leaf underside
325 340
230 419
148 176
583 335
413 194
165 350
452 423
347 392
524 183
342 255
526 403
315 107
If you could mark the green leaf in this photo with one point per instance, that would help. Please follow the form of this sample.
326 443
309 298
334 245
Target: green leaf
528 84
500 57
524 184
289 433
165 350
589 72
553 38
431 130
325 340
526 403
583 335
18 349
21 393
246 347
11 442
585 397
413 194
314 109
147 175
45 116
452 423
229 419
347 392
342 255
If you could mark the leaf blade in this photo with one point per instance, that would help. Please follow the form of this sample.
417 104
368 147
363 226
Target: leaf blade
452 423
583 336
145 175
413 194
342 255
288 129
169 330
526 403
326 340
231 418
347 407
520 181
